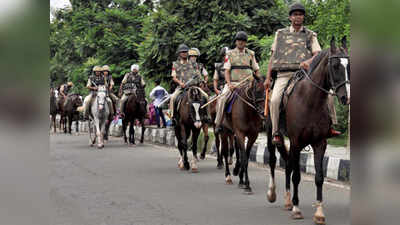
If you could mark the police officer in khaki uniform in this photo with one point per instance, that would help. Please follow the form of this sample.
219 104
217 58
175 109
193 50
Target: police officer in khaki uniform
64 90
110 82
183 70
239 64
94 80
194 53
219 73
293 47
131 82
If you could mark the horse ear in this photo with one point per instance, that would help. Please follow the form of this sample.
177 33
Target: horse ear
344 42
333 45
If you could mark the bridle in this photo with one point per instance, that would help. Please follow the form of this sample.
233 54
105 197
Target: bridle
253 100
330 77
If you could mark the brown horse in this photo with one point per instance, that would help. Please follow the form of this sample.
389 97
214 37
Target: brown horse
69 112
308 121
203 85
135 108
53 109
189 118
245 120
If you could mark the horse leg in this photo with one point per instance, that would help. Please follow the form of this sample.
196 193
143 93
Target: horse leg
231 149
70 124
143 129
319 152
237 152
76 126
206 137
224 152
53 118
218 148
107 127
241 138
131 133
124 123
296 177
245 165
271 194
288 174
98 133
195 136
185 133
179 138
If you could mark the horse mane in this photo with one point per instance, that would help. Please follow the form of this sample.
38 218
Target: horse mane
317 60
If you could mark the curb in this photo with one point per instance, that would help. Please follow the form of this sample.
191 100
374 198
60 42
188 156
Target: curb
334 168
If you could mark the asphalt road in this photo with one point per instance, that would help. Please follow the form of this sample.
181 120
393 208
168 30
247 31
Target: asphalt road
141 185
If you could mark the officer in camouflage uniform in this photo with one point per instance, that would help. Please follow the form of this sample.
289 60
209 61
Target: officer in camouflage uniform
183 70
110 82
194 54
239 64
64 90
219 73
293 47
130 84
95 80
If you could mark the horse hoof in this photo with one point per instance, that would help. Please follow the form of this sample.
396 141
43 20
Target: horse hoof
297 215
219 167
91 145
195 170
271 196
241 186
235 171
288 206
230 162
202 157
247 191
319 220
228 180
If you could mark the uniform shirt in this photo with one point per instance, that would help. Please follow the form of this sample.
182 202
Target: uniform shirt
315 47
89 82
126 79
173 73
227 63
216 77
158 93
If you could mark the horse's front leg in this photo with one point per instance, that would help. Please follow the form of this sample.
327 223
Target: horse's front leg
218 148
224 153
319 152
205 131
131 133
271 193
143 129
179 138
98 134
249 145
184 146
195 136
70 124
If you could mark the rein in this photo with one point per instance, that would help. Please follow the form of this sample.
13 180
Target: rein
330 75
253 99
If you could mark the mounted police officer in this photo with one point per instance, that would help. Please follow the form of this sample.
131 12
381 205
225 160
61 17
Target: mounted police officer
293 47
219 73
110 82
64 90
240 63
130 84
95 80
183 70
194 54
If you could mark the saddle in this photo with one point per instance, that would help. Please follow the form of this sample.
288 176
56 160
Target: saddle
287 92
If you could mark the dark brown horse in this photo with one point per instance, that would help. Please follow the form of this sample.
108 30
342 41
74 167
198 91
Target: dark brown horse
135 108
189 118
203 85
69 112
308 121
245 121
53 109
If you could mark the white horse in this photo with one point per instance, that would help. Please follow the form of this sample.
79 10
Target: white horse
99 116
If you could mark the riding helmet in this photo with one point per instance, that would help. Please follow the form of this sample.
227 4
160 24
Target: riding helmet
194 52
97 69
106 68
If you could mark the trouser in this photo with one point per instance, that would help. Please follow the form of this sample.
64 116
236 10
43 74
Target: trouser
276 97
159 113
177 92
221 102
86 103
88 100
122 102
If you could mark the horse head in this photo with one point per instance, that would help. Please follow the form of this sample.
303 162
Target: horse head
195 99
339 71
101 98
76 101
257 93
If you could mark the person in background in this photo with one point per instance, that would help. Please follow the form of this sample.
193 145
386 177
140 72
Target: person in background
159 94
